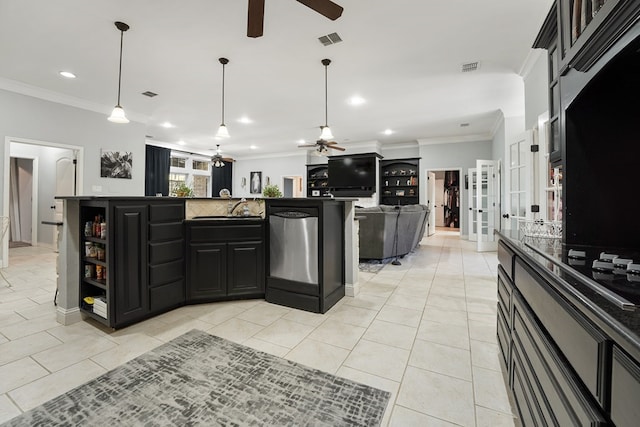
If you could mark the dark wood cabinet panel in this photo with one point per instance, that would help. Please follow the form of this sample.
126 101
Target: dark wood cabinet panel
625 390
400 182
131 295
317 180
246 268
207 274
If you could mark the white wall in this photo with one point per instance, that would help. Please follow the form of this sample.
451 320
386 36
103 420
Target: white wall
36 119
460 155
536 90
47 158
400 151
274 167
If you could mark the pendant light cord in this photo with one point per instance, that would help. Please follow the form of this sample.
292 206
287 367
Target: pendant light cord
120 67
223 66
326 108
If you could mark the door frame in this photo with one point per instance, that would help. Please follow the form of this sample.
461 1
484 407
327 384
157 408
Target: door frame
8 140
460 186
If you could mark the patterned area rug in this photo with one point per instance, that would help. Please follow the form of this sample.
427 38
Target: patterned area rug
200 379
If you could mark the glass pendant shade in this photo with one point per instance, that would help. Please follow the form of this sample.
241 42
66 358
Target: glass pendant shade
218 163
223 132
117 115
326 133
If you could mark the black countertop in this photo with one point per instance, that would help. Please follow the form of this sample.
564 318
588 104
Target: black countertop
623 326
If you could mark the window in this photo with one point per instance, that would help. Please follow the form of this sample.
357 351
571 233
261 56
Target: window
200 165
192 170
178 162
175 179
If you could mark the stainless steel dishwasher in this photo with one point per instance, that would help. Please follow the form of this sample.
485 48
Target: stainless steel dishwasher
293 244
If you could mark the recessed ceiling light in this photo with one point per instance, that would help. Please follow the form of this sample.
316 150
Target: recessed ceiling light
167 125
181 142
253 147
356 100
67 74
301 141
387 132
245 120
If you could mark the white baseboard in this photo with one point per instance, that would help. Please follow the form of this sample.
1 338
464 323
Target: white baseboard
68 317
352 289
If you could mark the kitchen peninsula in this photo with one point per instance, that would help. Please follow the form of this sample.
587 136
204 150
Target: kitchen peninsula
159 253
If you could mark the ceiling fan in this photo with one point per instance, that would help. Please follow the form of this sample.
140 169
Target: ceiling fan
217 160
321 146
255 22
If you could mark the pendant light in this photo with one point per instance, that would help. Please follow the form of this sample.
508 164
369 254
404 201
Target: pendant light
325 133
117 115
217 159
222 130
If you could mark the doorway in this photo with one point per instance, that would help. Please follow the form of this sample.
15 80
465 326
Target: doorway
46 173
292 186
23 201
445 199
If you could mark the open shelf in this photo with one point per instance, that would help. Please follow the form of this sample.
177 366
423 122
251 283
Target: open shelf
400 178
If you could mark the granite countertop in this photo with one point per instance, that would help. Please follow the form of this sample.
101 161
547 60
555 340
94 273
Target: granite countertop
622 325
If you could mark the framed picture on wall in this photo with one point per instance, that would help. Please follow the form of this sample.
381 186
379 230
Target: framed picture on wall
116 164
255 183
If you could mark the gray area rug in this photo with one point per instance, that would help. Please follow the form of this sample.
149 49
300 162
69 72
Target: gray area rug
373 265
199 379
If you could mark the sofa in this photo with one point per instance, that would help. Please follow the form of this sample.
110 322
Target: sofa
378 229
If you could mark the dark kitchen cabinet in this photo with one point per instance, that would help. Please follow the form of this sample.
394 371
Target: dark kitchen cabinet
225 259
130 266
317 180
142 272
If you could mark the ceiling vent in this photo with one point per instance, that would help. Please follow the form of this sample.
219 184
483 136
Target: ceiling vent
329 39
470 66
149 136
149 94
464 125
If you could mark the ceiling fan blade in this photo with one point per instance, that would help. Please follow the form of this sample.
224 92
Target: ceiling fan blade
335 147
307 145
324 7
255 20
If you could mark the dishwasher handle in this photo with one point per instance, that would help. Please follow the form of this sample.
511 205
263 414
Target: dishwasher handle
293 214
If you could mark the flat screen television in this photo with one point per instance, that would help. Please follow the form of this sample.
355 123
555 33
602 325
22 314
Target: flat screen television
352 172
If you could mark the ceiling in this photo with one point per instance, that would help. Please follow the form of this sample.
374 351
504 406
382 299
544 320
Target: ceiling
403 57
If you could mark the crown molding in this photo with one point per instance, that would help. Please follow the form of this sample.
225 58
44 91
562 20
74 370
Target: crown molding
454 139
529 62
496 125
59 98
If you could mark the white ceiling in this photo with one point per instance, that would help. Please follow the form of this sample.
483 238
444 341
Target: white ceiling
402 56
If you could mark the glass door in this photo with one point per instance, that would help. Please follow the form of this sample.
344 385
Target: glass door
473 205
488 200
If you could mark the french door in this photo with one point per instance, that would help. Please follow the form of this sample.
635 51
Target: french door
487 200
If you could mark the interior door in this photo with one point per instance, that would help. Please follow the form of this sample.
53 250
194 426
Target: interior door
519 182
488 201
431 203
473 205
65 186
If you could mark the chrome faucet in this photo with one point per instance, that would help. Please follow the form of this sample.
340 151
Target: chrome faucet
231 208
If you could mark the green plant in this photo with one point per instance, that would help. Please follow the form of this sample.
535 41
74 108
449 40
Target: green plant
182 190
271 191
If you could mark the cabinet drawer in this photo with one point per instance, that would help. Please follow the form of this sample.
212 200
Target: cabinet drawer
165 273
160 253
504 341
166 212
225 232
528 408
166 231
167 296
556 389
504 294
625 390
584 346
506 258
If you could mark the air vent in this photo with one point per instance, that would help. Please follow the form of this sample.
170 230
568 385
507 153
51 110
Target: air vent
470 66
149 136
464 125
149 94
330 39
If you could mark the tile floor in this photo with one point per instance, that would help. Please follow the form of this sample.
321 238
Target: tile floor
425 331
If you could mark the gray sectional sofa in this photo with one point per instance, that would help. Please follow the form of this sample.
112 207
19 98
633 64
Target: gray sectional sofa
378 229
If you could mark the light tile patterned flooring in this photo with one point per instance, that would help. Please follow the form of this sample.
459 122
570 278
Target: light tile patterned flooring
425 331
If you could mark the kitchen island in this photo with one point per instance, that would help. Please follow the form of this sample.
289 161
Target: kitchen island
125 259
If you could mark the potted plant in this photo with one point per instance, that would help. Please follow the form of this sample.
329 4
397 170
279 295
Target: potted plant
271 191
183 190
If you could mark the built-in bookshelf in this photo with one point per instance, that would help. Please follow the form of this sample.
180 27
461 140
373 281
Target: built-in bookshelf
400 181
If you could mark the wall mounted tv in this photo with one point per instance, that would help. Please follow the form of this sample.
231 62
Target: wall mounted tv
352 172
